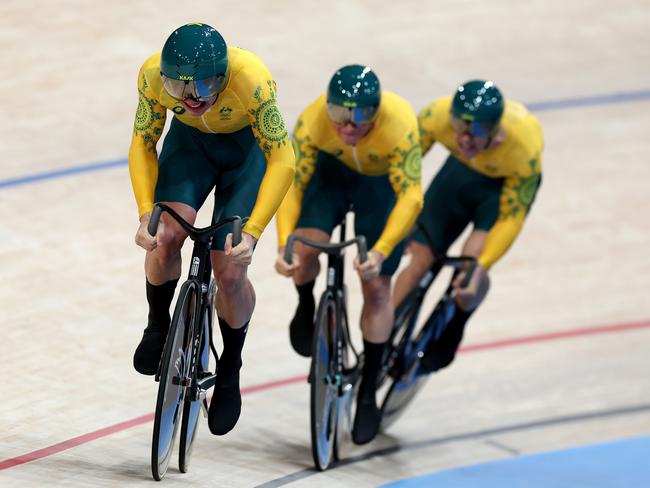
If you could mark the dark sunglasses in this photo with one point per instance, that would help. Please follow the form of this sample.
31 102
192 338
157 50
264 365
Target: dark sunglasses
357 115
201 90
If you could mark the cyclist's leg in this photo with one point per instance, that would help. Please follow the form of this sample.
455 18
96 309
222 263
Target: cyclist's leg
421 259
307 257
323 207
376 322
184 181
236 194
442 219
482 197
301 327
484 194
442 352
373 200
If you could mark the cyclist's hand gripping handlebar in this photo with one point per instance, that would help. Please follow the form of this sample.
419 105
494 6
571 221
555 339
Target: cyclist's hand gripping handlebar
363 249
154 220
469 272
236 232
288 249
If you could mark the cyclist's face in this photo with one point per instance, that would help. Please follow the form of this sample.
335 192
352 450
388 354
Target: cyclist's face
351 133
470 145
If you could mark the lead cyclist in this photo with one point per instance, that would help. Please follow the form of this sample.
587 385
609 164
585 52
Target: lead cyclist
226 135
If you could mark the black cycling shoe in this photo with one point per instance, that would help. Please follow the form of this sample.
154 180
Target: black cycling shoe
366 421
225 405
147 355
433 359
441 353
301 331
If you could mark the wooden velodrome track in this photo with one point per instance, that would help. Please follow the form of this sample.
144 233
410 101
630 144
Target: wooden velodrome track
557 357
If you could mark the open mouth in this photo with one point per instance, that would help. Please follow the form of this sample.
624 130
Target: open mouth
192 104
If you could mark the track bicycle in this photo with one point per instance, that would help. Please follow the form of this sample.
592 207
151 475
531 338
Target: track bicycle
335 366
407 343
183 374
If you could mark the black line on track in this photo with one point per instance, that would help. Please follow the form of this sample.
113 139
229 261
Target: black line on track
412 446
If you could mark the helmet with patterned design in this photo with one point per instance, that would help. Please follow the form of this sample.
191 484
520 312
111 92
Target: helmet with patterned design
353 95
477 108
194 63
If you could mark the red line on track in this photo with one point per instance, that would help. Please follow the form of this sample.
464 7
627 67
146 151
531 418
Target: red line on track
552 336
106 431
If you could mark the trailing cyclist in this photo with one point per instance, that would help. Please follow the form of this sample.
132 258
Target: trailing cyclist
226 135
358 147
490 180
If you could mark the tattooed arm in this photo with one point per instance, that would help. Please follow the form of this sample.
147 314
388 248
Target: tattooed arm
517 196
306 156
272 138
426 125
405 178
143 158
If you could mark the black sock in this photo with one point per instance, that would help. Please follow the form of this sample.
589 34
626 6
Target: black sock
306 302
160 298
233 343
373 354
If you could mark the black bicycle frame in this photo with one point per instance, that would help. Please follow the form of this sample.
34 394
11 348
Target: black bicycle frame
335 285
199 273
437 321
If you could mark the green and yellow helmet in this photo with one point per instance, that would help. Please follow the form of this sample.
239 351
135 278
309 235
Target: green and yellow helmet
353 95
194 62
477 108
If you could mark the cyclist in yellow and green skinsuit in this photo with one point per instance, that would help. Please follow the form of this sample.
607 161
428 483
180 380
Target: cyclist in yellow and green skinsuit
490 180
358 147
228 136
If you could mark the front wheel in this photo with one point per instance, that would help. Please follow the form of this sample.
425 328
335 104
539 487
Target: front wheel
192 406
324 384
173 380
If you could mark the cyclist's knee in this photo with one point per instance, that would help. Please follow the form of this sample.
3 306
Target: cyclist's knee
376 292
168 250
230 277
469 306
307 255
480 285
170 239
